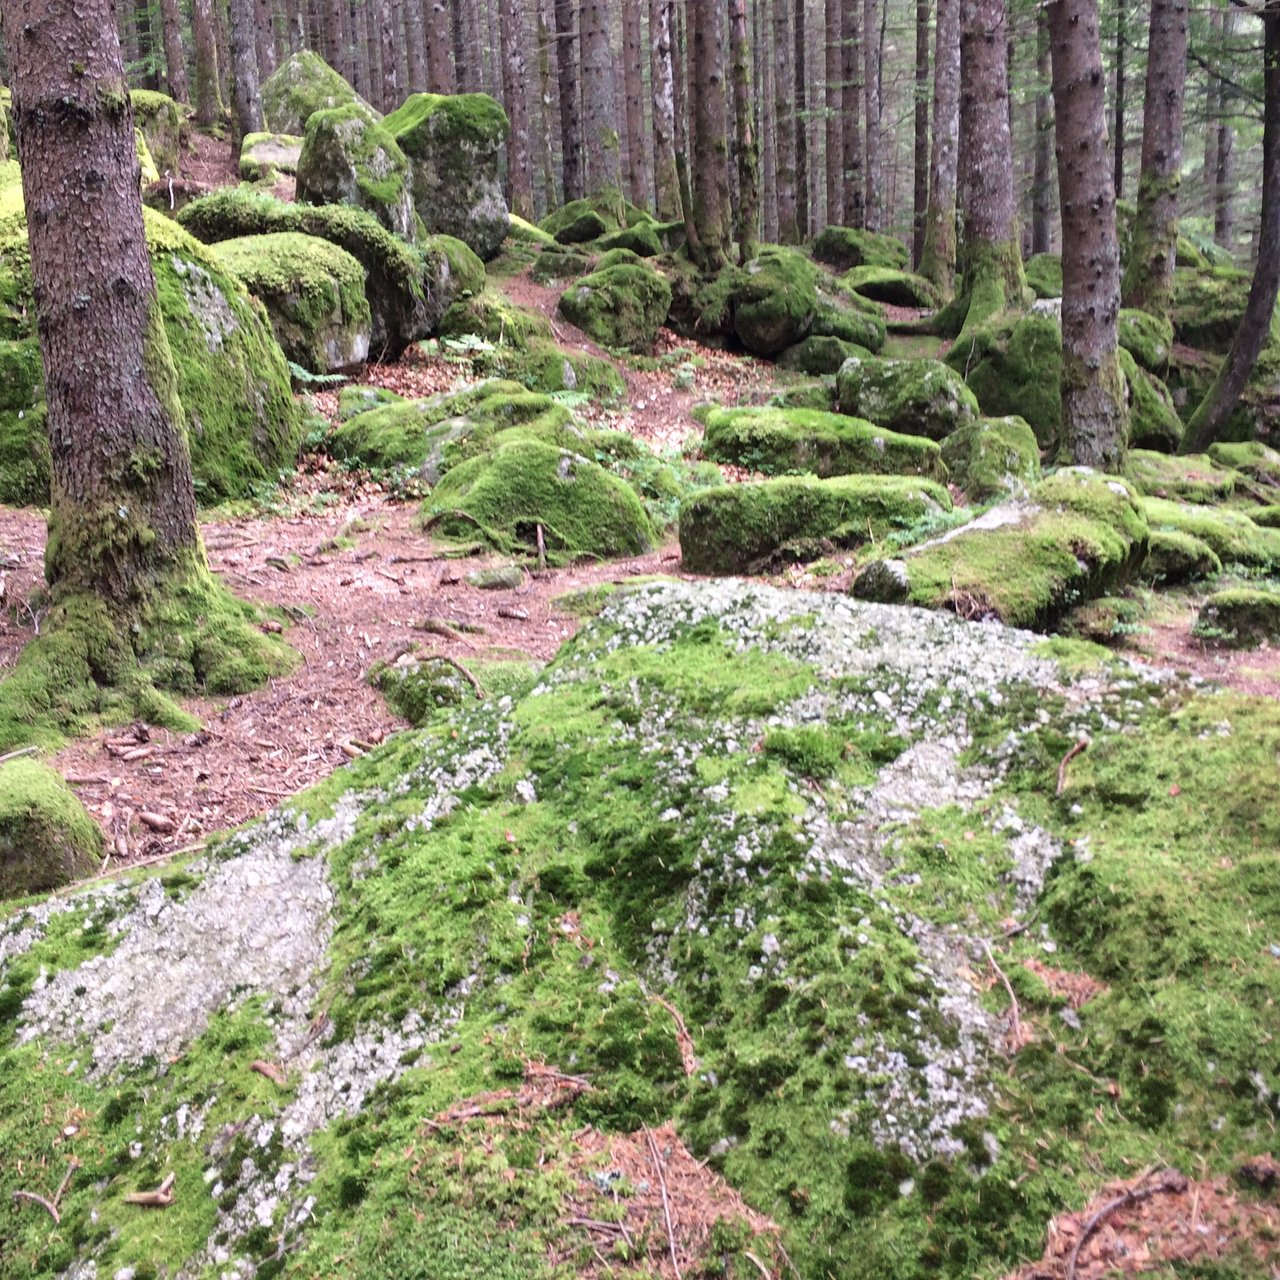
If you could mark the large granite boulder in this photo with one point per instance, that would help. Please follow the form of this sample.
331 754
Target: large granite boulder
302 84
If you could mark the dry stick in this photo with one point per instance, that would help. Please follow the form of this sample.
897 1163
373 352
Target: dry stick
542 549
1066 760
764 1271
1170 1180
160 1198
32 1198
66 1182
141 862
666 1206
1013 1000
453 662
21 751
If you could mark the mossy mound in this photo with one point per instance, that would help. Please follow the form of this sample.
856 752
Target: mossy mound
47 838
744 528
1077 535
806 395
1268 517
843 318
581 221
1148 338
992 457
349 158
848 247
148 174
523 232
1179 557
312 290
492 316
417 688
544 366
897 288
263 154
301 85
1235 538
781 441
1153 420
354 400
1208 307
556 264
1189 478
506 494
773 300
1242 618
915 397
821 354
454 144
621 307
1015 368
24 445
160 120
1043 273
642 240
1250 458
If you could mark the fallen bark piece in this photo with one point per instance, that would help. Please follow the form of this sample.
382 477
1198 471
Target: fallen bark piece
160 1198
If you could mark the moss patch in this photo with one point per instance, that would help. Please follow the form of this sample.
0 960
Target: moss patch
491 316
1189 478
47 838
992 457
1174 557
819 354
620 306
1044 275
915 397
848 247
157 115
1148 338
1242 618
304 83
1235 538
898 288
1153 420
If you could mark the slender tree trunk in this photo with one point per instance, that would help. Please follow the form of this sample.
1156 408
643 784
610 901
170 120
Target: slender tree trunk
439 44
146 44
388 95
599 113
834 138
661 79
990 255
920 189
519 162
546 105
938 258
466 43
785 122
415 47
1094 412
122 512
1122 40
1223 183
174 61
855 195
572 178
871 103
748 158
265 38
633 89
801 122
1042 177
295 24
1148 281
1212 110
710 133
679 51
208 94
768 133
246 96
1210 418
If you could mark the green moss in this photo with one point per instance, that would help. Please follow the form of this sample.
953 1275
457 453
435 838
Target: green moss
847 247
807 395
466 273
158 117
416 689
1044 275
1250 458
491 316
992 457
838 319
780 441
642 240
1208 307
744 527
1235 538
505 494
898 288
264 154
1174 557
148 173
552 265
1268 517
773 300
1241 617
993 282
915 397
582 220
312 290
821 354
1187 478
47 838
1153 421
24 447
621 307
1148 338
527 233
302 84
353 400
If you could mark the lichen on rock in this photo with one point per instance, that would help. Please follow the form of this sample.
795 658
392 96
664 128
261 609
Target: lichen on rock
304 83
914 396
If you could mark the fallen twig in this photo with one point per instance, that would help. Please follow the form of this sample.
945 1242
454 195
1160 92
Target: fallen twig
688 1058
764 1271
666 1204
141 862
1013 1000
32 1198
1066 760
453 662
439 627
269 1069
21 751
1170 1180
160 1198
542 549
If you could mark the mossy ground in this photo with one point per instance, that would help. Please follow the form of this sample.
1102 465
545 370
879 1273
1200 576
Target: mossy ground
47 838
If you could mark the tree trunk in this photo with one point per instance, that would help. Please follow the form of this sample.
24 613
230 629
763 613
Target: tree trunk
295 24
570 110
748 221
1042 177
265 38
990 255
388 96
801 122
246 94
122 510
855 195
661 78
1222 178
440 47
600 117
1121 49
710 177
871 105
174 61
208 95
1094 412
146 45
466 43
680 65
768 131
546 105
920 189
1148 281
785 122
938 259
633 89
1212 109
1210 418
519 163
834 137
415 47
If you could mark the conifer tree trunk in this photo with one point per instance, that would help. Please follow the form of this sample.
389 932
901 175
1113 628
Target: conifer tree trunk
174 60
920 190
709 115
1222 179
295 25
389 94
938 258
1210 418
465 31
122 506
871 106
680 64
515 94
1148 281
567 55
1042 178
599 111
633 89
246 95
768 131
1094 411
661 78
748 219
208 92
1122 44
546 106
1212 108
415 47
267 60
851 96
801 122
834 136
785 122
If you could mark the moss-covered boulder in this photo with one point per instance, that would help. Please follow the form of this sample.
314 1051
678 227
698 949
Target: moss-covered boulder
300 86
546 366
495 318
148 174
312 290
743 528
642 239
417 688
782 441
1148 338
1174 558
845 318
158 117
773 301
1153 419
1190 478
555 264
47 839
262 154
580 221
527 233
1208 307
992 457
916 397
622 306
348 157
848 247
1077 534
506 494
820 354
1242 618
454 144
1250 458
897 288
356 399
1015 368
1234 537
1043 273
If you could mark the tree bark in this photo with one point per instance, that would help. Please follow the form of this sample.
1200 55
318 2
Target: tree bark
1042 177
600 116
834 135
680 64
710 177
1148 281
295 25
785 122
1222 178
174 60
748 220
871 104
920 187
633 89
122 506
855 196
570 110
1094 411
546 106
208 94
415 47
519 163
801 121
1211 416
661 78
388 95
938 258
439 46
1118 140
466 43
246 94
264 23
768 131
